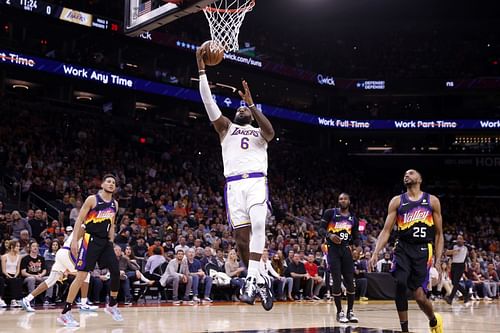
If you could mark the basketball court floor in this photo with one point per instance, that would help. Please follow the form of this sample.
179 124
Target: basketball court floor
375 317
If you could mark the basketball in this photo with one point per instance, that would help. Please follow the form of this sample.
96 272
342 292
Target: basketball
211 58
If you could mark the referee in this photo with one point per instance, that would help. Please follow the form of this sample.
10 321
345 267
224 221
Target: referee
459 254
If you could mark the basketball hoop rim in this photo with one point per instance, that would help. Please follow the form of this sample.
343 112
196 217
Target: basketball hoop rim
231 11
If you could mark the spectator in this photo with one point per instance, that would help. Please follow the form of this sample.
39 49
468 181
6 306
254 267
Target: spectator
384 265
154 262
301 279
360 269
140 249
199 278
74 212
156 244
38 226
278 266
11 269
182 245
178 272
19 224
490 283
234 270
278 281
99 281
318 283
34 271
50 255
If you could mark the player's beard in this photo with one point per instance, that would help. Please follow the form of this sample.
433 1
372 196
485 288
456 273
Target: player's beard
242 120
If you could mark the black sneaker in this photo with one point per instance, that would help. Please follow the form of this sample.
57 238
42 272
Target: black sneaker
249 291
341 318
351 317
266 295
448 300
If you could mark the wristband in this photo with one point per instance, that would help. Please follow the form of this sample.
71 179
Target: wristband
201 71
251 106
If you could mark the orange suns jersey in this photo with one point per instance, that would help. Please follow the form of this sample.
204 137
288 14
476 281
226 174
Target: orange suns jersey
99 219
414 220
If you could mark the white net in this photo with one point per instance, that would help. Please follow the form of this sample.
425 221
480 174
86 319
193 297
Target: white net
225 18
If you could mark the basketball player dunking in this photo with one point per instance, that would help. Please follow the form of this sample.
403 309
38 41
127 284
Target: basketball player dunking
419 222
244 153
98 216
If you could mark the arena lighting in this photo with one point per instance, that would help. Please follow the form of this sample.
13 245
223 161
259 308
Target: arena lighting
142 140
20 86
434 148
131 65
84 98
378 148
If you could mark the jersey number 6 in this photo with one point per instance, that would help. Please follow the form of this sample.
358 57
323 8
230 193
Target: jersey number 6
244 143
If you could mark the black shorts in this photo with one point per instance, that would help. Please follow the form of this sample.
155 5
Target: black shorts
411 264
95 250
340 259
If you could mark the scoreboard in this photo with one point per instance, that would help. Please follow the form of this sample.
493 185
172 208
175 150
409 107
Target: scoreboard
62 13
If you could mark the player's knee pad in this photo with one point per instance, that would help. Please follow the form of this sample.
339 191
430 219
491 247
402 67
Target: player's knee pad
53 278
258 215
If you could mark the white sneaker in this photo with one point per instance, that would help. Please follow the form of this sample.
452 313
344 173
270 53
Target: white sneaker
196 299
67 320
26 305
14 304
486 298
341 317
88 307
2 303
114 312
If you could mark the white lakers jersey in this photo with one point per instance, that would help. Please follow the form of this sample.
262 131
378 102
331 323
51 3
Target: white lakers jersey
67 242
244 150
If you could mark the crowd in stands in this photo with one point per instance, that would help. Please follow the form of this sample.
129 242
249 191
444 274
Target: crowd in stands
172 231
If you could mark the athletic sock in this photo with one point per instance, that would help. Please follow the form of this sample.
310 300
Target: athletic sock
112 301
83 300
29 298
67 307
404 326
433 322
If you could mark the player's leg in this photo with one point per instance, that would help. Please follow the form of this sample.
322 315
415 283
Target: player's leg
257 201
51 280
84 291
87 258
335 263
348 274
421 263
242 237
401 272
239 219
108 259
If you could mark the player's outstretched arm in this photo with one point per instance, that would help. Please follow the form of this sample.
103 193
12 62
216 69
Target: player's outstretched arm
383 237
221 123
265 125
